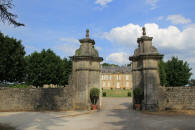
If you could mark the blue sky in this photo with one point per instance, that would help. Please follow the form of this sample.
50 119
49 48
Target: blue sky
114 25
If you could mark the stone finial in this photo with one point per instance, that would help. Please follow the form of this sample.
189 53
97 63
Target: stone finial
87 33
144 31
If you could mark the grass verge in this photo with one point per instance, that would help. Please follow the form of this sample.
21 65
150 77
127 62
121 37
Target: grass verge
116 93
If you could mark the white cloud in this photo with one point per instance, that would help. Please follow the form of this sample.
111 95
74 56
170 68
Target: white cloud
178 19
103 2
153 3
171 41
118 58
170 37
67 49
68 46
70 40
125 35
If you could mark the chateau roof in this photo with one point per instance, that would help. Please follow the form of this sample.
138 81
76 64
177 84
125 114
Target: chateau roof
116 69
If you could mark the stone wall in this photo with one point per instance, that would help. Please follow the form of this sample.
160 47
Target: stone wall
177 98
36 99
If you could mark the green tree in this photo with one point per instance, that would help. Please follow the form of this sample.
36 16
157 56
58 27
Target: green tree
5 15
162 73
47 68
107 64
12 61
177 72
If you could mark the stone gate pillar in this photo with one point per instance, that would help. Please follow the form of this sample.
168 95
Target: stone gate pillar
145 70
85 72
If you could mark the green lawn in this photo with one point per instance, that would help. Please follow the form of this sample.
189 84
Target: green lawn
116 93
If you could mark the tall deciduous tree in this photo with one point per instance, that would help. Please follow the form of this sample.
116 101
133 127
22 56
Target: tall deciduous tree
177 72
46 68
162 73
12 61
5 15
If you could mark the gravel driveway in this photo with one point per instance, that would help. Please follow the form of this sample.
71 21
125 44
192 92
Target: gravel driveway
115 115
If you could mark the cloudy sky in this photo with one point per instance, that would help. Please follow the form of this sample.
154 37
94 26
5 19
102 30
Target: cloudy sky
114 25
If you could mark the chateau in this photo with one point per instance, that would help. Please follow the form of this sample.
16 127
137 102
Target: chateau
115 77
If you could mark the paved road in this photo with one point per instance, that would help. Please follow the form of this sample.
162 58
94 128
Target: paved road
116 115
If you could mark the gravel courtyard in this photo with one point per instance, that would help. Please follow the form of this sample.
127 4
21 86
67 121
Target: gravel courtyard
116 114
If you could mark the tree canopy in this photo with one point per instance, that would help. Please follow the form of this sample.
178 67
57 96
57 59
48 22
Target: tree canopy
47 68
12 61
175 71
5 15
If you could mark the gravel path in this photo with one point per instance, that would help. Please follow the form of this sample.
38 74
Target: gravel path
115 115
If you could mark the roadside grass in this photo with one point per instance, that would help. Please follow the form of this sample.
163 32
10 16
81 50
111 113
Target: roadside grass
116 93
6 127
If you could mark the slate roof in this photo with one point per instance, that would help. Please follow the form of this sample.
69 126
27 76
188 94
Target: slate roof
116 69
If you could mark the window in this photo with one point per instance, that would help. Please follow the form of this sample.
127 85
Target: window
110 77
118 85
127 84
127 77
118 77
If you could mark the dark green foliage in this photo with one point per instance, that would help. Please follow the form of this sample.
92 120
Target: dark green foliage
12 62
47 68
94 95
104 94
138 95
107 64
19 86
177 72
174 72
162 73
67 70
129 94
192 82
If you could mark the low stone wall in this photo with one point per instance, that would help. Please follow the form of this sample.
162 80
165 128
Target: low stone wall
36 99
178 98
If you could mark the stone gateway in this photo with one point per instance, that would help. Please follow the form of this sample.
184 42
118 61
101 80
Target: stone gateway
145 70
85 72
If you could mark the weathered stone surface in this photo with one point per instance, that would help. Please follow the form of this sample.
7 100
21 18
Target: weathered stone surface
145 70
177 98
85 72
36 99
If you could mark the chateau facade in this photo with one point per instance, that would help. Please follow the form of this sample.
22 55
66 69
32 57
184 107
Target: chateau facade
114 77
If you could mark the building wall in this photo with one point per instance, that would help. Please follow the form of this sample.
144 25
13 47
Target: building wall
177 98
36 99
116 80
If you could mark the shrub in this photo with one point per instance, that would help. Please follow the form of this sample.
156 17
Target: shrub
19 86
104 94
94 95
129 94
138 95
124 88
